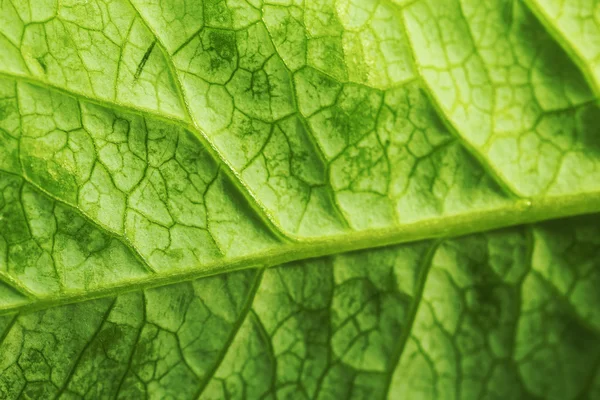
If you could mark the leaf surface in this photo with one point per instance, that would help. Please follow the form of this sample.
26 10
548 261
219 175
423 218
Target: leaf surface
234 199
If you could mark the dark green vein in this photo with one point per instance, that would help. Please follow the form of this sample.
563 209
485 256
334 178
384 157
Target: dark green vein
233 333
8 328
87 345
264 335
397 352
133 346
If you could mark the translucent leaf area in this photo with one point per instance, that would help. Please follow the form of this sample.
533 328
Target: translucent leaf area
300 199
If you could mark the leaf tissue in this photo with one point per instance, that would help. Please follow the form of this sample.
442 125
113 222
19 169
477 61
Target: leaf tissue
300 199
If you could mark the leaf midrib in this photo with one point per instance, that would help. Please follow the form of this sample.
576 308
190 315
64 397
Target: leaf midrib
516 213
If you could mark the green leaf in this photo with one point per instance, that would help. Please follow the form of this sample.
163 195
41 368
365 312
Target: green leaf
324 199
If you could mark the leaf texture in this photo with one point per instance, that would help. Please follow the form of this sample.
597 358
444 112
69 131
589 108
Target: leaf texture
324 199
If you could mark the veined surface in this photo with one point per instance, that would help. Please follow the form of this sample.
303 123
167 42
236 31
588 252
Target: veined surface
196 199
